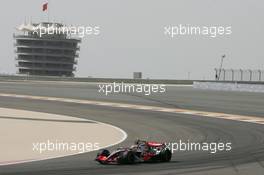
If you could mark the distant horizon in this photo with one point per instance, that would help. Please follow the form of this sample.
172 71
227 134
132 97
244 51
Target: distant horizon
143 78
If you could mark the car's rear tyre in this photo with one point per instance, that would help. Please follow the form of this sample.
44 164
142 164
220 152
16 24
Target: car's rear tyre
166 156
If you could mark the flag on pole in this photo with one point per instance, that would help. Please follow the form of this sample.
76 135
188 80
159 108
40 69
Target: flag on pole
45 7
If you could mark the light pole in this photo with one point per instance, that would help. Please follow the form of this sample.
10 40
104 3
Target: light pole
221 65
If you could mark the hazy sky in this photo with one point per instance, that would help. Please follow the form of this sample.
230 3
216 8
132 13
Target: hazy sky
132 35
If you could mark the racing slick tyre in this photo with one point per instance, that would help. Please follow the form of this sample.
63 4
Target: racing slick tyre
166 156
127 158
104 152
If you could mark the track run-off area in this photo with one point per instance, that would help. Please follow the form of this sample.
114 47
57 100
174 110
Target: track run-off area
25 136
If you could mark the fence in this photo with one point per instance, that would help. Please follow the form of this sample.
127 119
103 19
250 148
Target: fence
239 75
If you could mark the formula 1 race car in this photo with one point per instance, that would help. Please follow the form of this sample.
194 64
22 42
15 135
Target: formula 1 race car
142 151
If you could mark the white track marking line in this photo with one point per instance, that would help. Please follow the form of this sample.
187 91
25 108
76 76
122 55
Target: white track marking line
242 118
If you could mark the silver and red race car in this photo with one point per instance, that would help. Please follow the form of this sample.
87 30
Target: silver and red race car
142 151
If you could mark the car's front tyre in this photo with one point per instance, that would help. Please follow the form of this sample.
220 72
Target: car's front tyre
127 158
103 152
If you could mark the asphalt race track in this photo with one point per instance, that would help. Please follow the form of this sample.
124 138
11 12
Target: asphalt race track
246 157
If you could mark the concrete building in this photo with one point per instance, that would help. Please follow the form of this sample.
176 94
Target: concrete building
137 75
46 49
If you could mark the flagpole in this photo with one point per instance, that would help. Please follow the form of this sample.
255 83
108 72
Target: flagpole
48 11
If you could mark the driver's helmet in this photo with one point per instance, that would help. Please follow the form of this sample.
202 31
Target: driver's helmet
137 142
